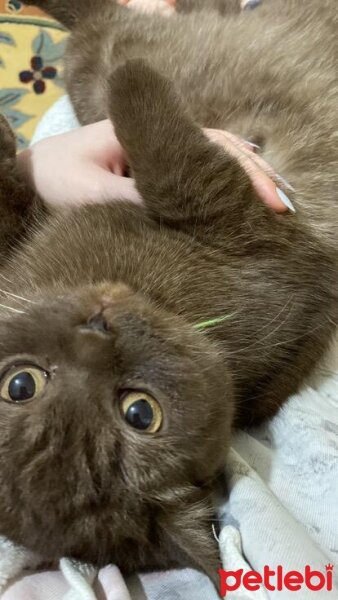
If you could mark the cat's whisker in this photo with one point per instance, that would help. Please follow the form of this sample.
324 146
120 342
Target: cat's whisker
277 316
16 296
298 337
15 310
264 338
5 278
283 342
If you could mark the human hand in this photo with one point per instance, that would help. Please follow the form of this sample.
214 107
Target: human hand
83 166
88 165
164 7
270 187
167 7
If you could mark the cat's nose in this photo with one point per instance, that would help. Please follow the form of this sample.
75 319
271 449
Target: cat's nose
96 323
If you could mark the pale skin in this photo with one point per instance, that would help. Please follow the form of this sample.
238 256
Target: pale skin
167 7
88 165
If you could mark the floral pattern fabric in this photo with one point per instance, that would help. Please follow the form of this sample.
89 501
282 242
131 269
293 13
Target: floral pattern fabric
31 71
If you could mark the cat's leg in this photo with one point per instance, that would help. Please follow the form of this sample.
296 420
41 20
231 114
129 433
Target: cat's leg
69 12
186 180
18 203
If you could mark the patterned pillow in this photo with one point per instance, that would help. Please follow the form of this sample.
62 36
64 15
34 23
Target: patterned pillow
31 50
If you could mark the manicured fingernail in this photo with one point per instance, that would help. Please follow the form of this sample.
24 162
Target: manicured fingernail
253 147
286 201
251 4
285 183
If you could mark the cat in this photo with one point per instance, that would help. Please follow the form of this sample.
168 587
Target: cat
134 340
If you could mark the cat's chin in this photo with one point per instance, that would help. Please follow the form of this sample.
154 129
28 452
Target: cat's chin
156 537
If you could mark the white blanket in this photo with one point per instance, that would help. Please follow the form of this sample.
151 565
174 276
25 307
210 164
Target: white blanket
282 509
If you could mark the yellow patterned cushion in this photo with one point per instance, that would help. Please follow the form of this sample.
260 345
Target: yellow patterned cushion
31 50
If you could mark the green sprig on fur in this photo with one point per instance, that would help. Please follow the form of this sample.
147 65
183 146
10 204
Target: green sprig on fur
213 322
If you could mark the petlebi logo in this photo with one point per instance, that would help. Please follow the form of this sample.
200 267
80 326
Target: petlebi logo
276 580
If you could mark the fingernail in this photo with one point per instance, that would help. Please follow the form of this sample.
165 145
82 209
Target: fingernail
252 145
251 4
286 201
285 183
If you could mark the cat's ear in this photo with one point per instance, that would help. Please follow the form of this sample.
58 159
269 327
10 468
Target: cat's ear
7 142
180 174
189 541
18 202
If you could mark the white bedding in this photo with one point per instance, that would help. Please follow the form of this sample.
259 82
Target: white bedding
282 509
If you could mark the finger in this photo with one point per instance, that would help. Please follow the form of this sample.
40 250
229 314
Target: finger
118 167
262 176
104 148
260 162
281 189
163 7
250 4
113 584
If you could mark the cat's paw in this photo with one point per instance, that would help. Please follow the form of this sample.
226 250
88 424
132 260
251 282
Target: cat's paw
163 7
7 141
139 91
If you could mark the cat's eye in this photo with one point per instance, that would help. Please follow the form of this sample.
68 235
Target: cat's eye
23 383
141 411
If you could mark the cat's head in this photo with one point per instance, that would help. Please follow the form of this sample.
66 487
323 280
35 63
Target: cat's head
115 416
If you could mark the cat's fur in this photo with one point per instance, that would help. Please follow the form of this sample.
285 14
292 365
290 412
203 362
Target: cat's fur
75 479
